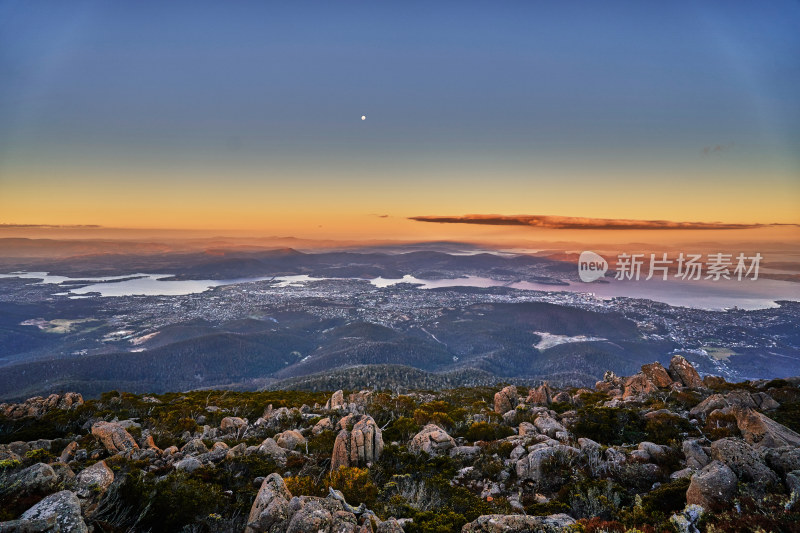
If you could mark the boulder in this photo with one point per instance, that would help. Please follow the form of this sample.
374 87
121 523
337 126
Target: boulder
195 446
114 437
682 371
270 510
696 457
38 479
231 424
762 431
783 460
323 425
290 439
432 440
743 460
548 426
336 402
541 395
657 375
91 484
68 453
517 523
637 387
38 406
360 446
713 485
189 464
506 399
66 508
526 428
271 449
530 466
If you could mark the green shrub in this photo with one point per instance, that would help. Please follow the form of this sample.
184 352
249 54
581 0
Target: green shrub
487 431
608 425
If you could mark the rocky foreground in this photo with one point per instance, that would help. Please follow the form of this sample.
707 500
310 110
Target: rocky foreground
663 450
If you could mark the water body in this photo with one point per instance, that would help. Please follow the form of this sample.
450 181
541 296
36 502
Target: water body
701 294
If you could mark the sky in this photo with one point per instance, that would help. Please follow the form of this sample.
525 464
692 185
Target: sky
247 115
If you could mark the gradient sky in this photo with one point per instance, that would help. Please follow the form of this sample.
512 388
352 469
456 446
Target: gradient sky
248 114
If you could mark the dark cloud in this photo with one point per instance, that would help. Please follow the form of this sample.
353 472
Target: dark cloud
556 222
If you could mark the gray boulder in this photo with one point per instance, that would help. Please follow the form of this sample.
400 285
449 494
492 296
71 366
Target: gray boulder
66 508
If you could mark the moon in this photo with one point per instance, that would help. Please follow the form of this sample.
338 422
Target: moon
363 117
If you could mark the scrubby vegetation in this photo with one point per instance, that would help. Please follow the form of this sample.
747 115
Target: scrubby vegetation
603 460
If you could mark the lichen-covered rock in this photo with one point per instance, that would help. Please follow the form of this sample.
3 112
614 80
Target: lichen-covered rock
65 506
548 426
762 431
714 484
270 510
290 439
114 437
360 446
743 460
637 387
231 424
657 374
541 395
195 446
432 440
517 523
36 479
271 449
530 466
323 425
506 399
696 457
68 453
682 371
336 401
39 406
189 464
91 484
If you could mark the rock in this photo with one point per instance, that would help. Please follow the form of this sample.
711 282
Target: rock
38 406
793 482
195 446
682 371
360 446
465 452
189 464
38 479
696 457
68 453
541 395
91 484
637 387
517 523
714 382
548 426
743 460
114 437
236 451
389 526
290 439
432 440
764 401
150 444
36 525
657 375
66 508
506 399
656 451
530 466
323 425
526 429
687 520
708 406
310 517
336 401
231 424
715 484
760 430
562 397
783 460
270 448
270 510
